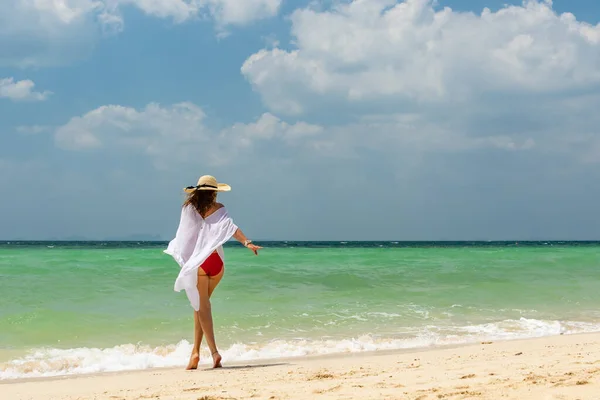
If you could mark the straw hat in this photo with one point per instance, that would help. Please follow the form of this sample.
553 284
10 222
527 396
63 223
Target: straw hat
208 182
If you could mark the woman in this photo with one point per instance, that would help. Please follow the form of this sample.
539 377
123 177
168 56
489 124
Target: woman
198 249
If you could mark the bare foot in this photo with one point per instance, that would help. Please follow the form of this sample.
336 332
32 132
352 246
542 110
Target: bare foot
194 359
216 360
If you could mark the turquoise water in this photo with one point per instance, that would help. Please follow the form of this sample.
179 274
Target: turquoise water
81 308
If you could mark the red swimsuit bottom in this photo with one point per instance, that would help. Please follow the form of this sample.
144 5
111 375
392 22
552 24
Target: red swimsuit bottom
213 265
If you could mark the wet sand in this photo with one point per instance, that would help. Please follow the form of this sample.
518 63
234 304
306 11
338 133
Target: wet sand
561 367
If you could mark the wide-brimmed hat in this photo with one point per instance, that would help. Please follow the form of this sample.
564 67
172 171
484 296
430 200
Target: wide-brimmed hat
208 182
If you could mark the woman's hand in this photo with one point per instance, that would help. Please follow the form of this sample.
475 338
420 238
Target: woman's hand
254 248
239 236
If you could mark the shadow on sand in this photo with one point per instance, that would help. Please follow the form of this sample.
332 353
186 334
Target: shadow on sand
249 366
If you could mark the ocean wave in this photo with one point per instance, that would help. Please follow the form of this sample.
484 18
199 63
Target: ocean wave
47 362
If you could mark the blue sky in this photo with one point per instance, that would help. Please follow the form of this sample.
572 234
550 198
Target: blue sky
332 120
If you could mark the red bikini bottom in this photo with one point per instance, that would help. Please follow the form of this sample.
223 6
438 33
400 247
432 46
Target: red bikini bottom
213 265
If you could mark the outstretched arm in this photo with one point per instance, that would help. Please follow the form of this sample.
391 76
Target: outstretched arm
240 237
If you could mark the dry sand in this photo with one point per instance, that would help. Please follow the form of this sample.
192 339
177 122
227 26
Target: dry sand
563 367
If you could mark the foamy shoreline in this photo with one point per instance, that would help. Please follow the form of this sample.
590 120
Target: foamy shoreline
55 362
558 367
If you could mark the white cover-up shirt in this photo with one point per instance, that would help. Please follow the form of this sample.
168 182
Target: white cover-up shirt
195 240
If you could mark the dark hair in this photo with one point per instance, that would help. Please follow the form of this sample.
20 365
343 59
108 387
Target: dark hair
201 200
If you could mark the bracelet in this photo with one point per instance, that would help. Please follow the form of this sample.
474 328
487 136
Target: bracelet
247 242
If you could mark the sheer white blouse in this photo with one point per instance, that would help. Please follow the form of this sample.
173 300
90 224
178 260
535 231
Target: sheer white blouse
195 240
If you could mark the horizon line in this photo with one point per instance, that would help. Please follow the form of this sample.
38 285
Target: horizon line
309 240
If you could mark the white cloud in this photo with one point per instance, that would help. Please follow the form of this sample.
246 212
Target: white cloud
407 79
152 130
269 126
51 32
180 133
440 116
244 140
178 10
48 32
176 133
431 176
408 137
21 90
407 51
224 12
240 12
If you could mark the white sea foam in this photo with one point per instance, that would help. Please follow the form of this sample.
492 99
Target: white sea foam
53 362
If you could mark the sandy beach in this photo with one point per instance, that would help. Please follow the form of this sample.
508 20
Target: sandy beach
560 367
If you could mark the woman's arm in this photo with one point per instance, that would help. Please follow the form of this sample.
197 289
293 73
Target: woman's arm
240 237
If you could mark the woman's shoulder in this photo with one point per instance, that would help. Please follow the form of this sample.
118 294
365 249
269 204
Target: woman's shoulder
189 211
219 208
188 208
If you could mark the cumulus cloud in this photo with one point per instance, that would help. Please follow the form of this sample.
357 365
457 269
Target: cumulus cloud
409 51
21 90
240 12
224 12
410 75
268 126
45 32
171 133
450 122
49 33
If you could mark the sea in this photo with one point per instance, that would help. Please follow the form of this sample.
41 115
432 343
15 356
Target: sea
86 307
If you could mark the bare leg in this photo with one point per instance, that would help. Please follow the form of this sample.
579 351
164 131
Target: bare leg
203 322
195 357
207 326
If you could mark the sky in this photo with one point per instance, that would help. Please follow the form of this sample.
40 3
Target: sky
331 120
